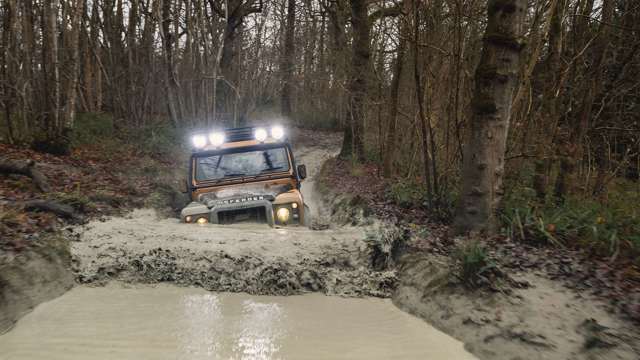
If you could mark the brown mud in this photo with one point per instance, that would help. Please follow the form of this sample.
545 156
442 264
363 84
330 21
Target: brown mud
252 258
36 275
542 320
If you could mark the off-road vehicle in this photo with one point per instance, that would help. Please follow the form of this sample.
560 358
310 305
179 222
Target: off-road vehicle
245 175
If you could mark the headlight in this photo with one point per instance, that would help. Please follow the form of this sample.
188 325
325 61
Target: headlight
202 221
188 219
199 141
294 205
277 132
216 138
261 134
283 214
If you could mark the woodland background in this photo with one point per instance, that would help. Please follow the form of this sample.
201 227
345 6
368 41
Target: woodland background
410 83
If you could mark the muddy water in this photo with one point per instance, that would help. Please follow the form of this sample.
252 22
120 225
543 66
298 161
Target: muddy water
166 322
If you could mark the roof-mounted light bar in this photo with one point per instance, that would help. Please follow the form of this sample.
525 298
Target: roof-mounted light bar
218 138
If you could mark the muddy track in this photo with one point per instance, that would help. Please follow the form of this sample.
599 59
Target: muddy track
256 259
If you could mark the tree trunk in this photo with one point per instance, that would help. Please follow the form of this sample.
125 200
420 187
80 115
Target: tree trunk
50 67
288 60
361 53
28 49
338 60
550 69
390 143
495 83
580 120
428 137
73 67
171 84
7 66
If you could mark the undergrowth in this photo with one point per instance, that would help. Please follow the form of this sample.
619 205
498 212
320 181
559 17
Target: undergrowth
99 130
410 194
605 228
474 263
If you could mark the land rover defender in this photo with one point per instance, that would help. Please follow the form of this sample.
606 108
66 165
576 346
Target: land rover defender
245 175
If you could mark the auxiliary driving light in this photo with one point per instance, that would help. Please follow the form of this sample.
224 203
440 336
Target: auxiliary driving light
277 132
294 205
202 221
199 141
187 219
216 138
283 214
261 134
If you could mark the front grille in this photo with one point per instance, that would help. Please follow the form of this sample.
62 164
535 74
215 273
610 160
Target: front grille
256 214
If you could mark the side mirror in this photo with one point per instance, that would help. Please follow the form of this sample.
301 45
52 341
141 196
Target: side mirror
302 172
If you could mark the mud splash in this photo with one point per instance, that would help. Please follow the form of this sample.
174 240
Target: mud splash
115 322
240 258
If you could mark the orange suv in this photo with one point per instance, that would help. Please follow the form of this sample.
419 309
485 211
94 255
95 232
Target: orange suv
245 175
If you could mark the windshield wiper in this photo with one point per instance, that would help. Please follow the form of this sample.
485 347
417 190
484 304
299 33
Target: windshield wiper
234 174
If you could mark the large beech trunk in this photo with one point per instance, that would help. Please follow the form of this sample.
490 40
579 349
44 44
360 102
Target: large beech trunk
495 83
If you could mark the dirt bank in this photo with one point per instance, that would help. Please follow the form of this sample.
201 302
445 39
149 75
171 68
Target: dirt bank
38 274
542 321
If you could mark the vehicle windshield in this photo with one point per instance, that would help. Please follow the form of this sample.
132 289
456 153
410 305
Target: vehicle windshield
246 163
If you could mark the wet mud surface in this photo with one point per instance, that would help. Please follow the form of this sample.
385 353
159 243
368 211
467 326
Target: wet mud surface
250 258
543 320
166 322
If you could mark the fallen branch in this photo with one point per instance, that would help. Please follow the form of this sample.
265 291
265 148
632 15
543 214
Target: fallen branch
57 208
26 168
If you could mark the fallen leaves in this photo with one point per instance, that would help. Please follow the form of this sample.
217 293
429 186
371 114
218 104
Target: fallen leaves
91 181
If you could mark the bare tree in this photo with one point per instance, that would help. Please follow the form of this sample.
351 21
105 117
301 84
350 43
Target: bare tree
287 68
496 79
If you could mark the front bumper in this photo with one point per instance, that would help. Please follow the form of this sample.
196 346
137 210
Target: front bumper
219 211
262 205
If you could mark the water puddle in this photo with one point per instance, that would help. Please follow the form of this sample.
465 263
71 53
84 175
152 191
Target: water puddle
166 322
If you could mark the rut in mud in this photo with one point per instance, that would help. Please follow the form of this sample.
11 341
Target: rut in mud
250 258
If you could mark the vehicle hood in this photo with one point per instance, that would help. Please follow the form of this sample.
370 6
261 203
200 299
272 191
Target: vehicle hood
240 191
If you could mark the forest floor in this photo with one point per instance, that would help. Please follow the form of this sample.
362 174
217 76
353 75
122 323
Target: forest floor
543 303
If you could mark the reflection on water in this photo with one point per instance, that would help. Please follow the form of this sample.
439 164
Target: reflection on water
260 331
200 326
166 322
